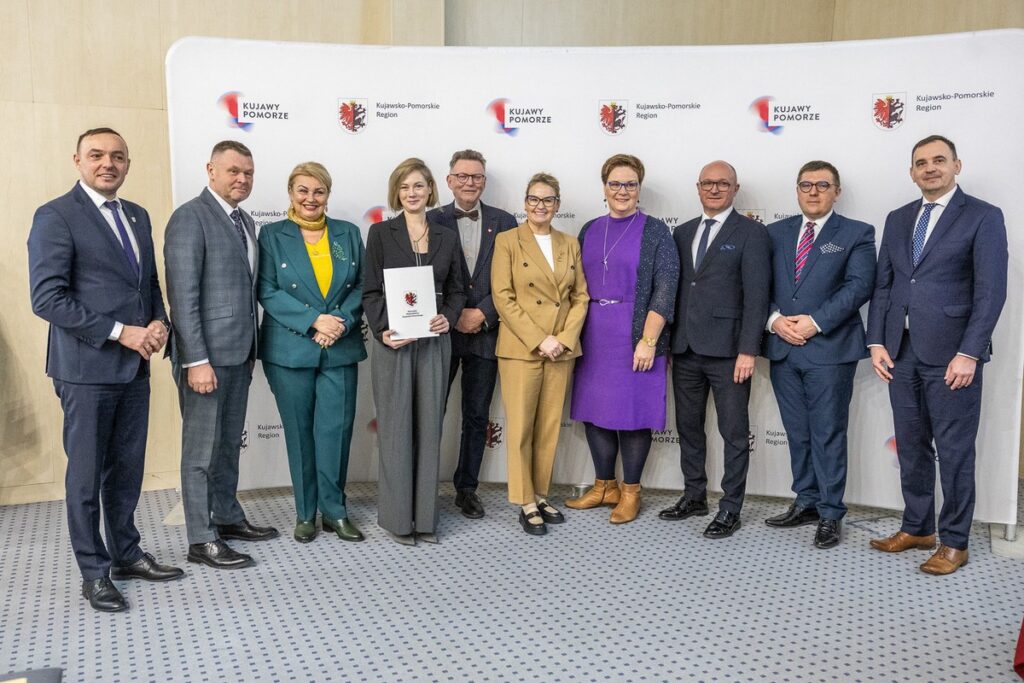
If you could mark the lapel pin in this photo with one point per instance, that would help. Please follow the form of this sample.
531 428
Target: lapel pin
133 218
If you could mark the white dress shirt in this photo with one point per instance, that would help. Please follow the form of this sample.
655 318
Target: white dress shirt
544 242
469 234
715 228
817 225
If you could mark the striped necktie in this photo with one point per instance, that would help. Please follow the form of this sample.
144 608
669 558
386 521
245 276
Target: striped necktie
803 250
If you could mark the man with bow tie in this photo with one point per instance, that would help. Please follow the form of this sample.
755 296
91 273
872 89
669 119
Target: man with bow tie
939 289
476 334
823 266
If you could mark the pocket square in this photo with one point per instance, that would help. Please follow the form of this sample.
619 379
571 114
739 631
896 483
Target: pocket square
727 247
831 248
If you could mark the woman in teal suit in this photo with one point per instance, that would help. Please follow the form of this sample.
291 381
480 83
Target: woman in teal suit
311 287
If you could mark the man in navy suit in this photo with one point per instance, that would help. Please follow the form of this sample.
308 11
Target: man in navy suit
721 309
939 288
476 334
93 278
823 268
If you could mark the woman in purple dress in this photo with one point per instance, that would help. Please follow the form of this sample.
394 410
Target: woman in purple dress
632 268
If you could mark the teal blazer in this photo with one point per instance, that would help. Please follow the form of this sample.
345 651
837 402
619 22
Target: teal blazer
291 298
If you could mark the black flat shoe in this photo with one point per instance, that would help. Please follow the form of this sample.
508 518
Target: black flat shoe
244 531
532 528
683 508
723 525
147 569
828 533
794 517
103 596
550 514
345 529
219 555
469 504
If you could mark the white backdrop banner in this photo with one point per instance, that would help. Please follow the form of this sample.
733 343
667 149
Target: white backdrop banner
766 109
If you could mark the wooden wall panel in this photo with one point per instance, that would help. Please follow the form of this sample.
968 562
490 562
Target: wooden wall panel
861 19
417 22
15 59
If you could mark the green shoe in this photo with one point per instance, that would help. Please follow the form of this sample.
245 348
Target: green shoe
345 529
305 531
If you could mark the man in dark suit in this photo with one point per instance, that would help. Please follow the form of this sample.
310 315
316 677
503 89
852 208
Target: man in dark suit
93 278
823 268
939 288
720 314
212 256
476 334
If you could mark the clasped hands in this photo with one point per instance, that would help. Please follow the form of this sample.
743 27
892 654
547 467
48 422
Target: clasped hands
329 329
144 340
551 348
438 325
794 329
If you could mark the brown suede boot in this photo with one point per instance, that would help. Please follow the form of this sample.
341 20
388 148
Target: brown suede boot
603 492
629 504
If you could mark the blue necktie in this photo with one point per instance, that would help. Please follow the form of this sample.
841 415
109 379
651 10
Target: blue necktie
702 246
126 243
920 230
236 218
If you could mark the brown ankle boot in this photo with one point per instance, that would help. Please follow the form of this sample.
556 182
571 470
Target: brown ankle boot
603 492
629 504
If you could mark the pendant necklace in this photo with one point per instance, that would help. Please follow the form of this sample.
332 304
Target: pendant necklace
606 251
416 244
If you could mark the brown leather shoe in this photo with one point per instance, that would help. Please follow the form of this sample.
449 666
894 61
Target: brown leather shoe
603 492
629 504
946 560
901 541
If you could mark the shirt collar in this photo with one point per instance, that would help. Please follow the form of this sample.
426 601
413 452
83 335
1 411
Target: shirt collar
476 207
223 204
97 199
819 223
720 218
942 201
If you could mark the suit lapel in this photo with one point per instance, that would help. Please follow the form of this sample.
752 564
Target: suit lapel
528 243
227 226
340 262
723 237
114 248
946 220
687 238
400 236
488 229
824 236
560 251
296 256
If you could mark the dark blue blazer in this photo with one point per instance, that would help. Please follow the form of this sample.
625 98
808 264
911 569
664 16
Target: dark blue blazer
81 284
721 307
478 283
836 281
954 295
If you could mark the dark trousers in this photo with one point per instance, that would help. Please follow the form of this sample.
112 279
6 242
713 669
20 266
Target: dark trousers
105 428
211 438
814 401
693 375
924 411
479 375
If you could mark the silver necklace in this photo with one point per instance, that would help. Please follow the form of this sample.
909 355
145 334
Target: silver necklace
606 252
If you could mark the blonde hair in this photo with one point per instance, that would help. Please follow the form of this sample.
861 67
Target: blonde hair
313 170
547 179
401 172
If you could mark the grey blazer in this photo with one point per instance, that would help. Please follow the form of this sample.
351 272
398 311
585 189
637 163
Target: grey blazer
210 288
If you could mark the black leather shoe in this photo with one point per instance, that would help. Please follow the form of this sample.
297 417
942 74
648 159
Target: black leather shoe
103 596
147 569
531 527
794 516
305 531
345 529
469 503
723 525
684 507
219 555
827 535
550 513
244 531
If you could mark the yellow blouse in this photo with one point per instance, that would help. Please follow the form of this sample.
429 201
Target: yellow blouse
323 267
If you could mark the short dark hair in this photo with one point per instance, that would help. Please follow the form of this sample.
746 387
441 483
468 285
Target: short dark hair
819 165
622 160
467 155
96 131
233 145
930 139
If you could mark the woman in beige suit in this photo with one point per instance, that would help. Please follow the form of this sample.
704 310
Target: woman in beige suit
541 298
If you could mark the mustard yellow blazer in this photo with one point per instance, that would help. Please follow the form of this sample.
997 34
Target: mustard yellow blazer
531 300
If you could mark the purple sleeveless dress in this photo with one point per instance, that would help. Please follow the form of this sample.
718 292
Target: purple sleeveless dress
606 391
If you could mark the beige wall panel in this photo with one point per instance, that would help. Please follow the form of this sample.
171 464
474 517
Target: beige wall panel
858 19
15 57
483 22
417 22
102 54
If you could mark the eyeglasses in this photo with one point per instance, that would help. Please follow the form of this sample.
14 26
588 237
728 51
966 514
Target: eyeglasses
548 202
709 185
464 178
631 187
822 185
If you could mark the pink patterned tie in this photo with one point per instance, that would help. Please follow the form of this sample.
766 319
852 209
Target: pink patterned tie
803 249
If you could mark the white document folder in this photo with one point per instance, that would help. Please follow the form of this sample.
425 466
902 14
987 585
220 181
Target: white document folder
412 301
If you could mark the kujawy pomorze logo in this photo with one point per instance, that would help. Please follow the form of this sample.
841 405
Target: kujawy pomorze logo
352 115
612 116
887 110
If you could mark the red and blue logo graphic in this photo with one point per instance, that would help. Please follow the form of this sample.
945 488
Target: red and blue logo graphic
497 109
229 101
762 107
375 214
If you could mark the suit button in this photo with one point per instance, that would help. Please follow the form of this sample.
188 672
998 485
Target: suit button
525 264
913 281
538 302
531 284
307 305
294 285
557 304
250 315
349 286
693 284
284 265
471 286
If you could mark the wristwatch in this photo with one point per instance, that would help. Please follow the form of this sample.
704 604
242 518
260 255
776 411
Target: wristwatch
650 341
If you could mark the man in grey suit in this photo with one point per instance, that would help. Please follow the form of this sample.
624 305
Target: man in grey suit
211 255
